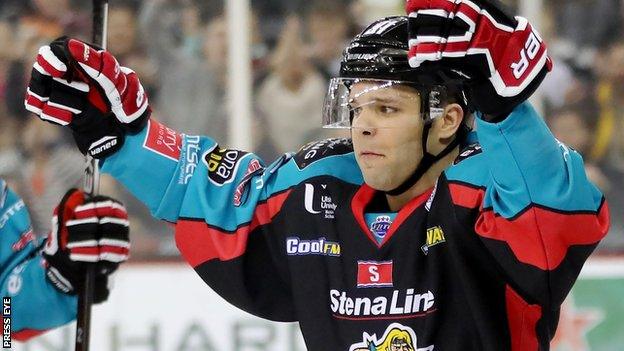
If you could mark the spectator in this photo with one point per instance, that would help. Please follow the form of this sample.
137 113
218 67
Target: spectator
291 97
329 27
610 96
583 27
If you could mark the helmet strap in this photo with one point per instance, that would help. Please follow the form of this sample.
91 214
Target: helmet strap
426 162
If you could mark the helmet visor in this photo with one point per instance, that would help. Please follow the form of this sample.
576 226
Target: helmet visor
348 99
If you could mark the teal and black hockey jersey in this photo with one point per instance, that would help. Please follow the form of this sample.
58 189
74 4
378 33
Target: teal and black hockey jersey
36 305
482 261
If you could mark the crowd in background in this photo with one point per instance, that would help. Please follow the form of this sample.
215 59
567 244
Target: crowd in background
179 49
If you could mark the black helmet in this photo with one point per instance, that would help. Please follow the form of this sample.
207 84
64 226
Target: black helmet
379 54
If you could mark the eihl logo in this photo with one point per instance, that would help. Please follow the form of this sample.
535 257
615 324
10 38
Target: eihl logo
435 236
380 226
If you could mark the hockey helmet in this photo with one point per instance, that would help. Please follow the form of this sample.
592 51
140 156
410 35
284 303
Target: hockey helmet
378 56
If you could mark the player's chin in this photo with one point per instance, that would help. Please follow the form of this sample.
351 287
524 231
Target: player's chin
377 180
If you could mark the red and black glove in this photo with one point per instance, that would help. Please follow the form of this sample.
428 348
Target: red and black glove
504 58
86 231
78 85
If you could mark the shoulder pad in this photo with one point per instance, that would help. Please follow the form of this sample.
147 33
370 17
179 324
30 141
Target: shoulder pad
467 152
318 150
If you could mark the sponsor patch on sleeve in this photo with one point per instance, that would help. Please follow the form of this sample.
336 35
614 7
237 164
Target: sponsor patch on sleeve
163 140
24 239
223 164
254 168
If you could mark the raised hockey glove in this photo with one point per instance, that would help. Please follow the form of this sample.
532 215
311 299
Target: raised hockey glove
86 231
75 84
504 58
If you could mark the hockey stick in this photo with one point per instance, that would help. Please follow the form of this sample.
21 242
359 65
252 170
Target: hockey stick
91 188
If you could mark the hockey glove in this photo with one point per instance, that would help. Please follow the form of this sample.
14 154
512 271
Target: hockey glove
80 86
503 57
93 231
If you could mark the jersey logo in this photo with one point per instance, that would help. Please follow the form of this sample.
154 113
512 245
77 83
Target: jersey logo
396 337
163 140
10 212
380 226
320 247
223 164
382 304
469 151
319 150
254 168
372 274
24 239
326 205
435 236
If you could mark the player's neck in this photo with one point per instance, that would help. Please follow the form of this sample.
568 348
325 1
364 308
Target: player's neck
426 182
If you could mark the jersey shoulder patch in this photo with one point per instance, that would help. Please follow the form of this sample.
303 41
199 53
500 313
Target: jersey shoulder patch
318 150
469 167
468 151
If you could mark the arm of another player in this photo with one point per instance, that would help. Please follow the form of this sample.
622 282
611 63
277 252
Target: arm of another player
22 277
42 285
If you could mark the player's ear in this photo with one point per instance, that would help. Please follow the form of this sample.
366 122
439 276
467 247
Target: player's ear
447 125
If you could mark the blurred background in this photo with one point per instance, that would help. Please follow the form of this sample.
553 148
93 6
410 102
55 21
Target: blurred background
180 50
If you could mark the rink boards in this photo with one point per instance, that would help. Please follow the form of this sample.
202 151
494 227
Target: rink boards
165 306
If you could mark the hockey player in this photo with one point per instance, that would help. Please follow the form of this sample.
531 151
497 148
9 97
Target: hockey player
459 240
41 279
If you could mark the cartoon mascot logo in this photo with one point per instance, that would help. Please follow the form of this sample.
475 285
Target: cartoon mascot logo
396 338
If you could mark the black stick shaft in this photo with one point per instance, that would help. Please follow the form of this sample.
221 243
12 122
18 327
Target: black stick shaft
91 188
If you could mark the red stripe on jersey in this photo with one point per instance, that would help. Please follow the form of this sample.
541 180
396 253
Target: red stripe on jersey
200 243
363 197
522 319
466 196
25 334
541 237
